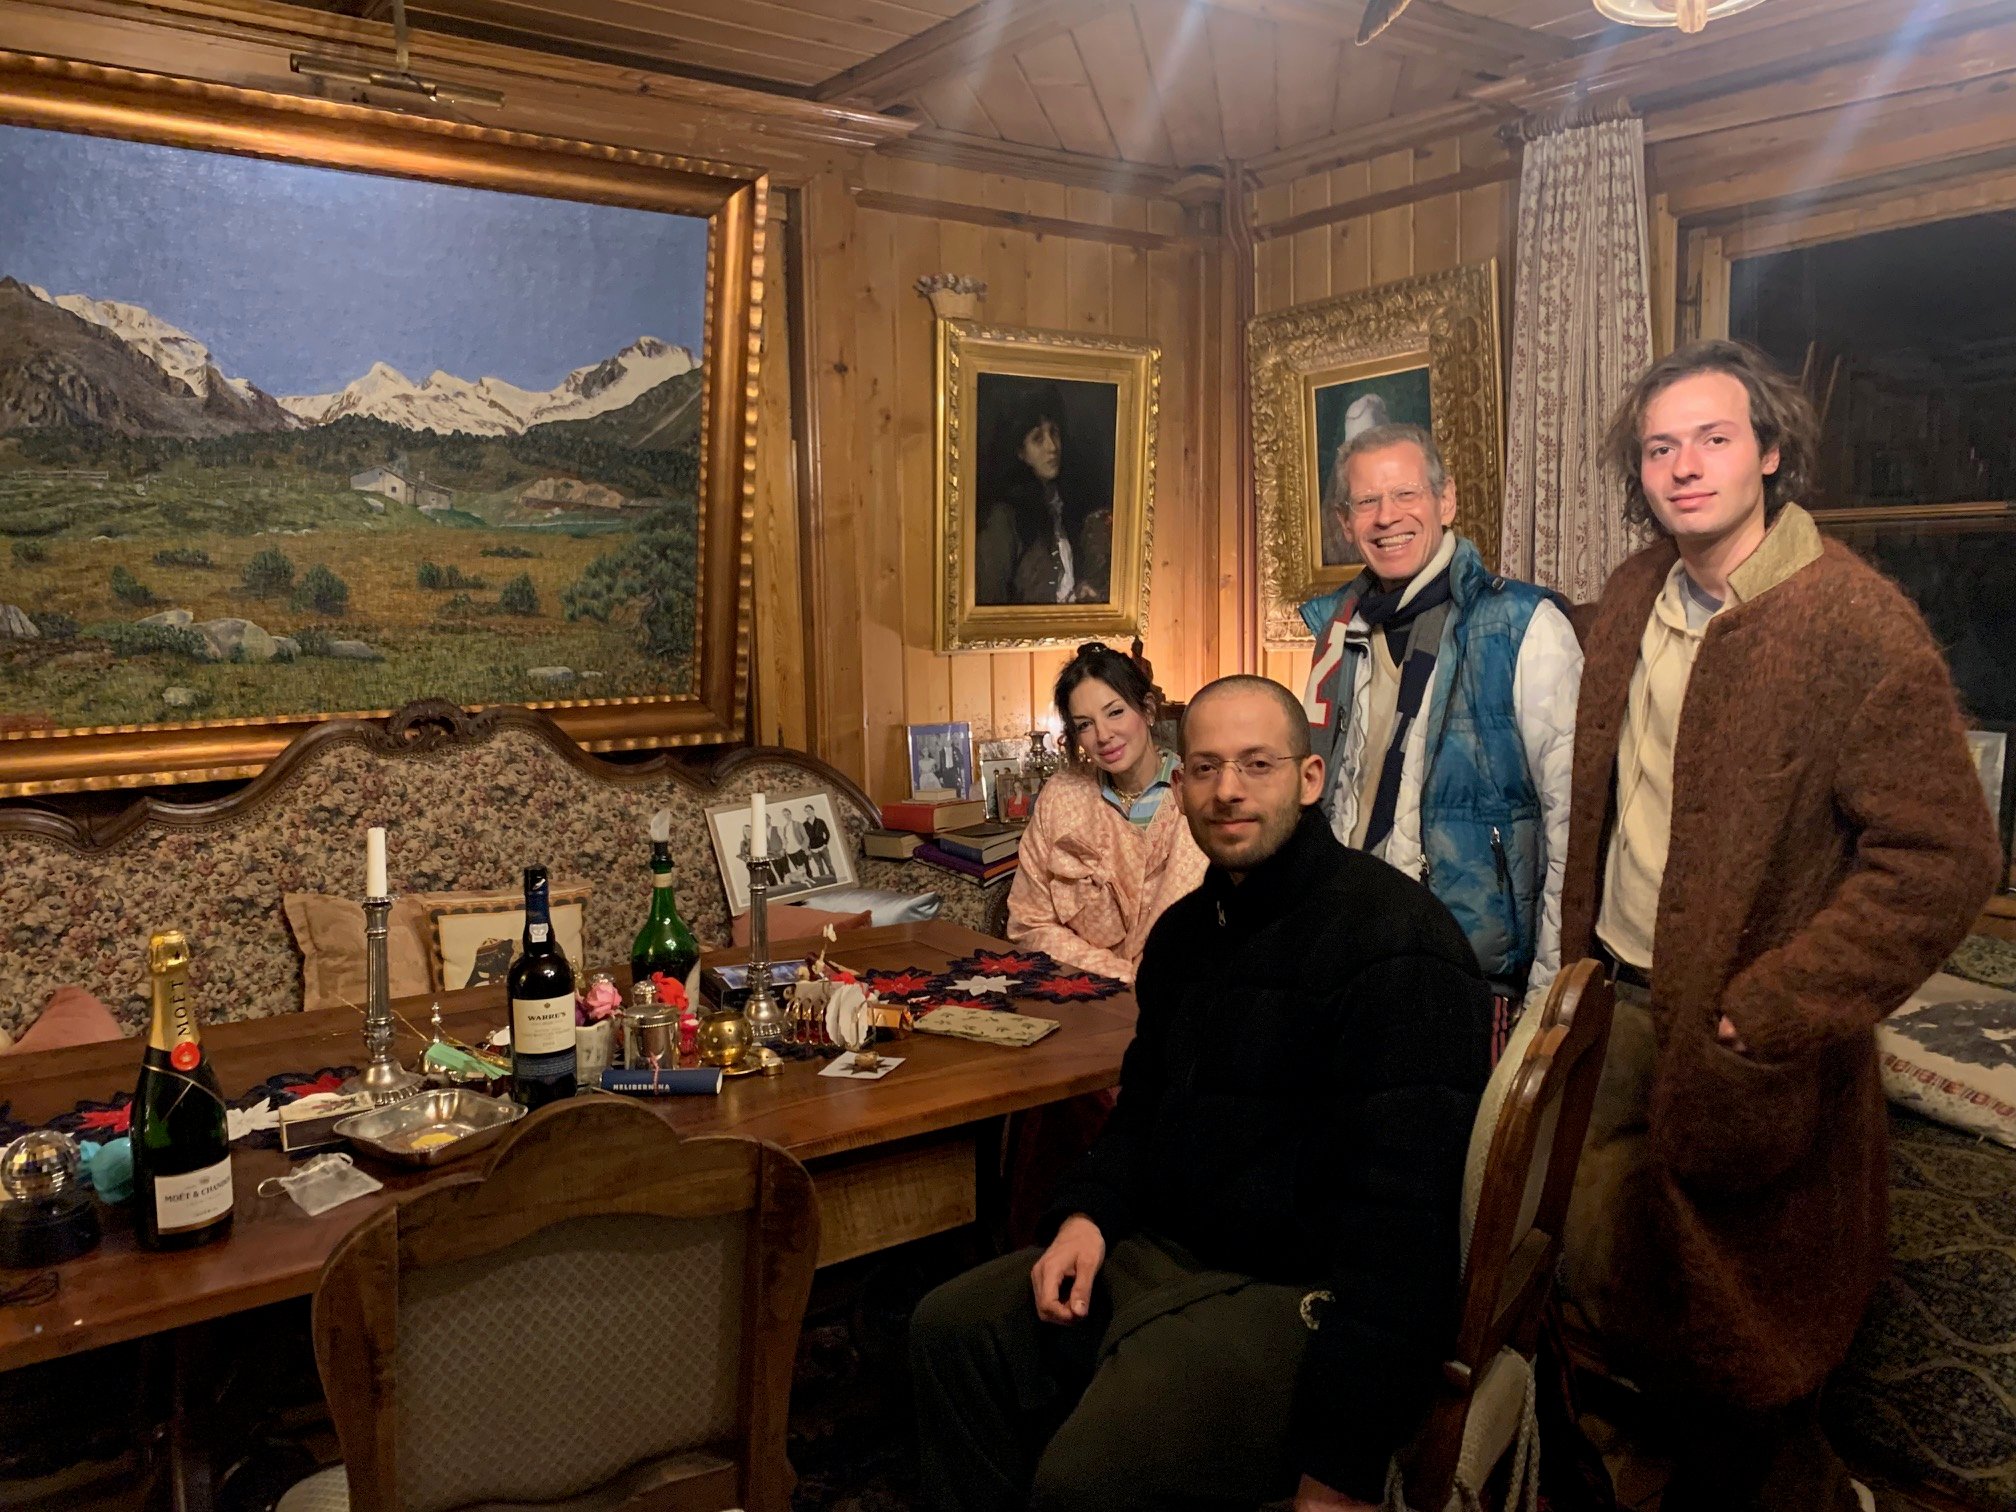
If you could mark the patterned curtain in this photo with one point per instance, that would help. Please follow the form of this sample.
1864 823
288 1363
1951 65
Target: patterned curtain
1581 334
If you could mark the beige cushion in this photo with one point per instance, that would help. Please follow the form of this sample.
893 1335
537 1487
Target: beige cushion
330 933
474 935
1498 1414
324 1491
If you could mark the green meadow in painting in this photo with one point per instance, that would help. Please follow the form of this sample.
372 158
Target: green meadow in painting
222 497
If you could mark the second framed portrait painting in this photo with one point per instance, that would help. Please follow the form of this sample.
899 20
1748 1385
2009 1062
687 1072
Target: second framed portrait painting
1420 352
1046 466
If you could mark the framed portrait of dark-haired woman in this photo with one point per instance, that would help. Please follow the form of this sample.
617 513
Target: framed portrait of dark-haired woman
1046 485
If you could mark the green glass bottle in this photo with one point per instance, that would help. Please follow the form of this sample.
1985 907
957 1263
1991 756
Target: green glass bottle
181 1146
665 943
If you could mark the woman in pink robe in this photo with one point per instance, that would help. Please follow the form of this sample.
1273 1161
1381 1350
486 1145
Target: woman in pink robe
1107 848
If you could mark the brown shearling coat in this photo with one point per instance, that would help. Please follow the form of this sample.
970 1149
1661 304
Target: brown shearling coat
1830 846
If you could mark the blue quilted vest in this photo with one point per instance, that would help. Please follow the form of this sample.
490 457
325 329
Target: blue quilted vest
1481 835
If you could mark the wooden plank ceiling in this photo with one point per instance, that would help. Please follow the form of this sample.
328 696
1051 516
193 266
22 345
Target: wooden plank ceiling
1792 103
1159 83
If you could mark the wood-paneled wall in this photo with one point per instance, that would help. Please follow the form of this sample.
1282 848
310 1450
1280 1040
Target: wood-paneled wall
1426 235
869 346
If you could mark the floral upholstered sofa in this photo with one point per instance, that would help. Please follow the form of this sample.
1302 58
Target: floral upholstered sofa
468 800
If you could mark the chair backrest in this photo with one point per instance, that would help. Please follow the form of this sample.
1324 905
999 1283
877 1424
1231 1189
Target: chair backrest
1525 1148
604 1305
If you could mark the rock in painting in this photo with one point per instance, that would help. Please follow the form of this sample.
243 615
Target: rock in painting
237 640
15 625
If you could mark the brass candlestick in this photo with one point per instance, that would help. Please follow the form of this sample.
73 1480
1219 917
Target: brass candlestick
764 1013
383 1077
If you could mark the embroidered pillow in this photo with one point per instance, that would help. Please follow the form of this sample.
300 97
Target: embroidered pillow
1950 1054
475 935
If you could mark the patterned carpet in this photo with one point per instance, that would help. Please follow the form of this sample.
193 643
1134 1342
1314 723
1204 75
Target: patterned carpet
853 1439
1930 1389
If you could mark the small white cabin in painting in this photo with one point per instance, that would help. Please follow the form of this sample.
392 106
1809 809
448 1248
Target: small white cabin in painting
393 484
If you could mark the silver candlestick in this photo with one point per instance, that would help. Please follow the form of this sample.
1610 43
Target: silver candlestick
383 1078
764 1013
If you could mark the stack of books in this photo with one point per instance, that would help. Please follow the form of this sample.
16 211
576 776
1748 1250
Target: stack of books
928 817
953 833
982 851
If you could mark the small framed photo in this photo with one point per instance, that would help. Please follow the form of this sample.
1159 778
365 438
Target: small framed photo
941 760
997 775
1989 745
808 846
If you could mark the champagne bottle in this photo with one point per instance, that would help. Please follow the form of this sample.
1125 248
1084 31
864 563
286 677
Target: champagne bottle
664 943
181 1141
542 1005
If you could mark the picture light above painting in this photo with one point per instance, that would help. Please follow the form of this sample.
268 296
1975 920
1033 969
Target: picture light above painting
1423 351
311 410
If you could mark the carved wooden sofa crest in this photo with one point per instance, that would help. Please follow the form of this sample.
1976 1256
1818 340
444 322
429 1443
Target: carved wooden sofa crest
468 800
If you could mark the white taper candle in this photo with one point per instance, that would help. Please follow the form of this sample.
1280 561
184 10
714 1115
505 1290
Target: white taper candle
374 863
759 830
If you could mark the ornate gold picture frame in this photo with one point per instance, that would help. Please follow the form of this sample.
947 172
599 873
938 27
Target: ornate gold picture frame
595 521
1423 350
1046 485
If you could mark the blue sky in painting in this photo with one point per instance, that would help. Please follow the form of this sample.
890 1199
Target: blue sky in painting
300 278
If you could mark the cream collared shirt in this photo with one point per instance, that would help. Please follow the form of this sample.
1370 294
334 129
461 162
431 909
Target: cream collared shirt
1638 844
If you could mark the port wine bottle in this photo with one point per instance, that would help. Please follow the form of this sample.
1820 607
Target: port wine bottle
542 1005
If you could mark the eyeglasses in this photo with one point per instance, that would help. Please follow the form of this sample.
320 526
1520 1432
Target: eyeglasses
1204 770
1403 498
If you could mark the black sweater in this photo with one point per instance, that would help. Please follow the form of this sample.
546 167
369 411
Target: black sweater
1296 1106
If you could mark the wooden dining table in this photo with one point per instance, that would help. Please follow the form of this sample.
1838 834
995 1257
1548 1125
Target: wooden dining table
892 1160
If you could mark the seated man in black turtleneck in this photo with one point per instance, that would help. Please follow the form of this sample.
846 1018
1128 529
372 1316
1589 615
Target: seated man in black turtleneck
1253 1273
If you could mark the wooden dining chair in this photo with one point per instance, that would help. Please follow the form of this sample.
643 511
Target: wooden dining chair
604 1315
1524 1150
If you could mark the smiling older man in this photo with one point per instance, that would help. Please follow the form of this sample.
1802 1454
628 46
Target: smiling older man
1442 698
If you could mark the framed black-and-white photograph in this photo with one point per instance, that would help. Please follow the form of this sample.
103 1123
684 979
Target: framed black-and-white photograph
941 760
806 844
1989 745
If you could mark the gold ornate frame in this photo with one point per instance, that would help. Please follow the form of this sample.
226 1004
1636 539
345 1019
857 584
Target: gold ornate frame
965 350
1449 321
63 96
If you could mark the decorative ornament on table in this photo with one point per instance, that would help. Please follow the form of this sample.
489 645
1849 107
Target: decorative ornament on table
598 1027
672 994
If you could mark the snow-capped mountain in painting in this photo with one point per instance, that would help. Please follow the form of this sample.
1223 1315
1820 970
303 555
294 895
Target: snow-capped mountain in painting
491 406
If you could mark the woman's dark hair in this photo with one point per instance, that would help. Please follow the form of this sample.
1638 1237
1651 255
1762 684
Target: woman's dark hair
1780 414
1124 674
1004 478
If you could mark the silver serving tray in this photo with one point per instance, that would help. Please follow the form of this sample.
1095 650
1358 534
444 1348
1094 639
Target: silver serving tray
431 1127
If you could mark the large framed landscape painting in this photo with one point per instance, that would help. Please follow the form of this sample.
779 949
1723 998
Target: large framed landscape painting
311 410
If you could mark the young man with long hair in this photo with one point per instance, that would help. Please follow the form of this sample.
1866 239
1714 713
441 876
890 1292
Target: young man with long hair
1776 834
